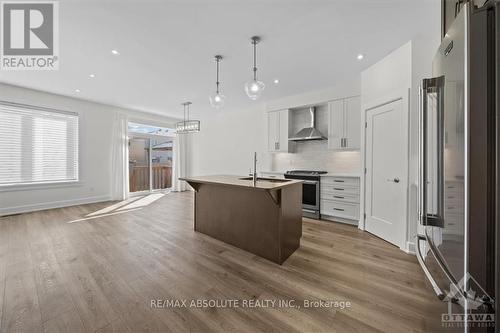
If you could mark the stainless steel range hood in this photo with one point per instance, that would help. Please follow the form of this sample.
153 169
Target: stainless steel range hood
309 133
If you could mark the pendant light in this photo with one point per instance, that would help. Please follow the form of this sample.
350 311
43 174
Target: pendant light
187 125
217 99
254 88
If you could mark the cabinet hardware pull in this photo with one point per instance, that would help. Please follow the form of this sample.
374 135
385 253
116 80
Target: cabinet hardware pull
335 196
338 189
340 209
339 181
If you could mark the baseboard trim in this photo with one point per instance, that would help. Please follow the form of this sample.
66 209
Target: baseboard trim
410 248
339 219
51 205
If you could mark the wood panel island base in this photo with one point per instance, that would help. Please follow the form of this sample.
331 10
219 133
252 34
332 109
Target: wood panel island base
265 219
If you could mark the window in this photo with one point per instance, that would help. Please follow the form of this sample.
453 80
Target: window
37 145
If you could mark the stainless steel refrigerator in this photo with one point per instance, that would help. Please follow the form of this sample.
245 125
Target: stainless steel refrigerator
457 245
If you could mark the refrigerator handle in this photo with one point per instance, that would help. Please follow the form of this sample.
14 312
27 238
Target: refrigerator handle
422 158
432 85
437 290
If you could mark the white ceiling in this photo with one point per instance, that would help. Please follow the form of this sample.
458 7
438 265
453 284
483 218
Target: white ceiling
167 48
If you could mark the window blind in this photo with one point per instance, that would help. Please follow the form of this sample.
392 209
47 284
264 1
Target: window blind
37 145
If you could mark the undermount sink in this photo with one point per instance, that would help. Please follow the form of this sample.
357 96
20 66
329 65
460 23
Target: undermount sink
272 180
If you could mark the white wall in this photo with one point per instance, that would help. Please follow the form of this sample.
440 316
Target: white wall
96 128
226 142
228 138
346 89
388 80
405 68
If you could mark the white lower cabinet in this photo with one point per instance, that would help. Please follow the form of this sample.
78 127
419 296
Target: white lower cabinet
339 199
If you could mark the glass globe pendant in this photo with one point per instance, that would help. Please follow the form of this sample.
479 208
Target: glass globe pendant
254 88
217 99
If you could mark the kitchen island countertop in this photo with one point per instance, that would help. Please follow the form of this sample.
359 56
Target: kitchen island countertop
262 183
264 219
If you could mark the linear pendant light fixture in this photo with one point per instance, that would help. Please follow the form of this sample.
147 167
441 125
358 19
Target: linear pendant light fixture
254 88
217 99
187 126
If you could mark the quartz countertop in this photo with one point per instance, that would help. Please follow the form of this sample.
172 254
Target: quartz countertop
329 174
230 180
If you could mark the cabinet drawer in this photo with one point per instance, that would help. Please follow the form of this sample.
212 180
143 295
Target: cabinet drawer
339 196
350 181
338 189
340 209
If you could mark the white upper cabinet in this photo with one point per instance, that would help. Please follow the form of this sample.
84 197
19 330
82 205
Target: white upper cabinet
353 123
272 130
277 131
336 124
344 125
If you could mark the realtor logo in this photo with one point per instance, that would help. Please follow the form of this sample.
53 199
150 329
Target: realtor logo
29 35
478 306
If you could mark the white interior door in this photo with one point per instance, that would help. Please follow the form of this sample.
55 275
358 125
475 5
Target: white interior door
385 163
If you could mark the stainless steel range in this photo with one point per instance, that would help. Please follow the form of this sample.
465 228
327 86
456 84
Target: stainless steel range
310 190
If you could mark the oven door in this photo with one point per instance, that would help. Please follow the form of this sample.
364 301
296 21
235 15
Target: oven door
310 195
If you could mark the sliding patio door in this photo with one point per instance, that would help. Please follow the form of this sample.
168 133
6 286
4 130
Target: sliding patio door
139 164
150 163
161 163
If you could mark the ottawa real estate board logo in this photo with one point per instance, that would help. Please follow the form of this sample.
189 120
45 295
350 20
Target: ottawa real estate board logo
29 35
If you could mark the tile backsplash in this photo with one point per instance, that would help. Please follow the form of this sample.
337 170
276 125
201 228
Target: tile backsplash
315 155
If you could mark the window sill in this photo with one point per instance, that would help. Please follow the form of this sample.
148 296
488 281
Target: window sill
39 186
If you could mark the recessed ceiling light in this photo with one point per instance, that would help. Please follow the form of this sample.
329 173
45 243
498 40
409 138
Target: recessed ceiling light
77 90
92 76
276 81
115 52
360 56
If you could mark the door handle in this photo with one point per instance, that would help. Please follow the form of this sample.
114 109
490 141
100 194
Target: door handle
395 180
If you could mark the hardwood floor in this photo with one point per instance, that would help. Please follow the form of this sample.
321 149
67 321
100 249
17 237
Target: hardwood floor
100 275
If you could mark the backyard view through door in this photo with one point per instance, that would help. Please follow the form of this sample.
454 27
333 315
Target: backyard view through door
150 158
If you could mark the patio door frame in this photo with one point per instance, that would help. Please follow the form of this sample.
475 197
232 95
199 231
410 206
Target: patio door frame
149 137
